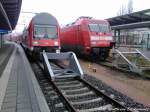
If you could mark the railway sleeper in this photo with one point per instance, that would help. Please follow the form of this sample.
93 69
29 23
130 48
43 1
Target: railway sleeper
84 90
86 101
70 82
50 94
61 109
72 87
48 88
68 85
85 105
82 98
76 90
102 108
79 95
61 75
91 105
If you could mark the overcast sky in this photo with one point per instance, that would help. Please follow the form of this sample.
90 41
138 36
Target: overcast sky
67 11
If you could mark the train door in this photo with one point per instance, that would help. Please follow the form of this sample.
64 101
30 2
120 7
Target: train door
79 38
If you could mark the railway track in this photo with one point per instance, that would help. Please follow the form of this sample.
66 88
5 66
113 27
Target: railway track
74 94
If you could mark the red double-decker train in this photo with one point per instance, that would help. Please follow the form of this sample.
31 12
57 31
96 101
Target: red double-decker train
42 33
89 37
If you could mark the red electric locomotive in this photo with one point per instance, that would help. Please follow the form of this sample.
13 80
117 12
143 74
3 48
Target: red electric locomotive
88 37
43 33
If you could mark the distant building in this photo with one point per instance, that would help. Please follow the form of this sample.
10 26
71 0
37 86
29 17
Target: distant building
134 38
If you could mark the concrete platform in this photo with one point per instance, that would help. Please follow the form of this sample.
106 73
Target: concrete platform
19 89
5 53
146 53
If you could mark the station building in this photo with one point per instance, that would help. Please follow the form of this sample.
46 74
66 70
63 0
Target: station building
9 14
132 30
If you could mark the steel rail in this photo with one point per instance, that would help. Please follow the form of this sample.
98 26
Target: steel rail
69 105
107 98
97 91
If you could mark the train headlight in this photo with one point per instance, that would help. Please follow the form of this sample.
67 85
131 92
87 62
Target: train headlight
57 50
56 43
94 37
35 43
31 48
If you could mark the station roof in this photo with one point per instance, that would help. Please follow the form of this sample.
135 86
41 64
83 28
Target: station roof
9 14
133 20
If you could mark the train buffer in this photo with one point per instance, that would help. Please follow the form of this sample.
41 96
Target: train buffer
72 67
132 61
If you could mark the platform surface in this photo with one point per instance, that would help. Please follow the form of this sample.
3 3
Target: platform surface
146 53
19 90
5 53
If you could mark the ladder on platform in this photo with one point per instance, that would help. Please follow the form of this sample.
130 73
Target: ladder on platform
71 69
134 61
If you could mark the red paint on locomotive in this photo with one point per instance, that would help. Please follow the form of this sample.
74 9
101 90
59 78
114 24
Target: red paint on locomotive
88 36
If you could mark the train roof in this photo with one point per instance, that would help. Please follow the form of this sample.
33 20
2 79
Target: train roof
82 19
44 19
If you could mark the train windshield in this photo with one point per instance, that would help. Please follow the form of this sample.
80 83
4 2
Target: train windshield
99 27
44 31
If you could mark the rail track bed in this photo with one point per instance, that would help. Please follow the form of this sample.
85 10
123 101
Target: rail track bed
76 95
127 101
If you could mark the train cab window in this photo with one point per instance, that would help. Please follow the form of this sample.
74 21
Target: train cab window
45 31
104 27
94 27
99 27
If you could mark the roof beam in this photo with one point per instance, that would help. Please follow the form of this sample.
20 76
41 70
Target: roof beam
5 15
132 26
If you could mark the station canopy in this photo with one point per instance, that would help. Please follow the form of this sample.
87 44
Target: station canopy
139 19
9 14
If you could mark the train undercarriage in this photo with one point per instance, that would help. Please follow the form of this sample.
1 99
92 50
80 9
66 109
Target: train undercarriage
100 53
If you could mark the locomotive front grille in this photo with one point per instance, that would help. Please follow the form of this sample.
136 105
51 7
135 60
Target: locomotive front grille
47 49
